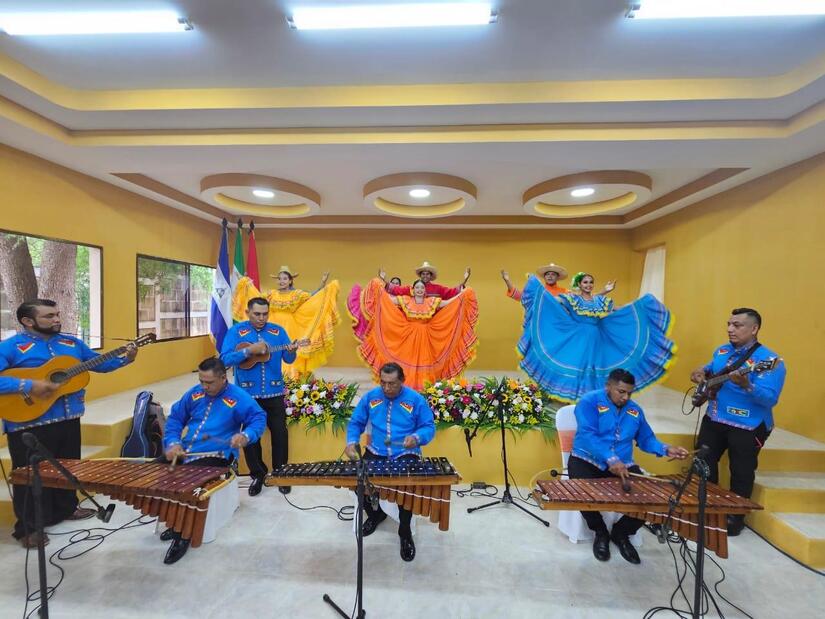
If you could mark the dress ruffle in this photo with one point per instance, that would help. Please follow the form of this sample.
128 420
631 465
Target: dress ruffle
304 316
429 348
569 346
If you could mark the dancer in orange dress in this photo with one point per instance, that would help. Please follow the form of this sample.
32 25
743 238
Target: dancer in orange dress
429 337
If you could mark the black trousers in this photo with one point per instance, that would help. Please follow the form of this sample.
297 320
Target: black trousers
404 515
62 439
743 448
582 469
276 422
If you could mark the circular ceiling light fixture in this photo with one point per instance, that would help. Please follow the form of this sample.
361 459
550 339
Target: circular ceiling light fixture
582 192
259 196
263 193
419 193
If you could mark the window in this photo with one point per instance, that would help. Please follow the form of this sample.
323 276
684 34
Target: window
173 298
66 272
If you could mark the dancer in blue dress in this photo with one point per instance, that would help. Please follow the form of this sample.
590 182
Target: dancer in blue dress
572 342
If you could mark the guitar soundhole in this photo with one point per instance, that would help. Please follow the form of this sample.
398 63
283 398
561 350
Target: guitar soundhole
58 377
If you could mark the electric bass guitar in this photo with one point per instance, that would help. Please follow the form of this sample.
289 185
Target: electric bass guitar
252 360
708 389
69 373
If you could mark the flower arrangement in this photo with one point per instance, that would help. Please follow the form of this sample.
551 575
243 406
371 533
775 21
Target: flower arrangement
316 402
470 403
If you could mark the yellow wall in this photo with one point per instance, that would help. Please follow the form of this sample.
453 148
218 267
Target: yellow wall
45 199
355 255
759 245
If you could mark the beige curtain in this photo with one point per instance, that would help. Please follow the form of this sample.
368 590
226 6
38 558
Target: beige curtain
653 277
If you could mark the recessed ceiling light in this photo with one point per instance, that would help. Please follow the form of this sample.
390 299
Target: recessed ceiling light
683 9
92 22
582 192
419 193
392 16
263 193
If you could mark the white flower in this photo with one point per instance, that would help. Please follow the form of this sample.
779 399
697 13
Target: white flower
442 401
437 385
336 405
289 410
495 402
465 413
304 387
450 398
521 418
293 398
317 409
474 416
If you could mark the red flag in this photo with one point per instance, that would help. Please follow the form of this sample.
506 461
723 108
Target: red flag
252 258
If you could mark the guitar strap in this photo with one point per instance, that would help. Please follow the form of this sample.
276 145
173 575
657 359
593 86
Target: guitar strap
732 367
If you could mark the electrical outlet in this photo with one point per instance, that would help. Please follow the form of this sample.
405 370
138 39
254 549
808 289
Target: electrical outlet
479 485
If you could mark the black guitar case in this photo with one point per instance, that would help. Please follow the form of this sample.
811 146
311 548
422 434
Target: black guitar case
145 440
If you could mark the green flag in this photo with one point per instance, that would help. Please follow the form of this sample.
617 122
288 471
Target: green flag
238 269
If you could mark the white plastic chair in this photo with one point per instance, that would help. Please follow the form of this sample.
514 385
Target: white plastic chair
572 523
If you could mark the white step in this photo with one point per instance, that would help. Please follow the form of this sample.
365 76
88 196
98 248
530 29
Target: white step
792 480
811 526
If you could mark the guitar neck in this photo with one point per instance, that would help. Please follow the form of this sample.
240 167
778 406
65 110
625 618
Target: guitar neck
93 363
718 380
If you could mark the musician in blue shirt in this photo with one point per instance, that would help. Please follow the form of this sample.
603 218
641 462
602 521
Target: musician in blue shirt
608 422
402 422
220 418
264 381
739 418
58 429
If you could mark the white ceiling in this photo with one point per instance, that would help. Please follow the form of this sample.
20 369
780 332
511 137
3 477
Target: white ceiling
246 43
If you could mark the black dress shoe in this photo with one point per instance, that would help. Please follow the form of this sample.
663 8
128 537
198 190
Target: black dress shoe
168 535
284 489
601 546
256 486
626 549
736 525
371 523
176 550
407 549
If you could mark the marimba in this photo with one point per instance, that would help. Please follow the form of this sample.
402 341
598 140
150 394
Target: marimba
421 486
649 500
178 497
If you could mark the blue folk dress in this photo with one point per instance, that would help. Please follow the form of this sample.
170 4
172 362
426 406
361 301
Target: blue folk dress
570 345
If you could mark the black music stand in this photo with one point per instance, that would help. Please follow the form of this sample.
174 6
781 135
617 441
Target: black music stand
701 469
38 454
506 497
360 492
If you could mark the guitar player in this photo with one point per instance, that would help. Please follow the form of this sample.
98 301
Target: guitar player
58 429
739 417
264 381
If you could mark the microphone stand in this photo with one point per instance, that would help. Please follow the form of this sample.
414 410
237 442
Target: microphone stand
507 497
38 454
360 492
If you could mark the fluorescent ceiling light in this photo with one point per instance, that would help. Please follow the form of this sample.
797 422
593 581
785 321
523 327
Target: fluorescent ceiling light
263 193
582 192
392 16
680 9
92 22
419 193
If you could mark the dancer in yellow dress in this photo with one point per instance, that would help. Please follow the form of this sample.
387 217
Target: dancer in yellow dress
304 315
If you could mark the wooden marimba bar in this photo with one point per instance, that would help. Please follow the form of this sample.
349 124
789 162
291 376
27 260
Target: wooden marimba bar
422 487
649 500
177 497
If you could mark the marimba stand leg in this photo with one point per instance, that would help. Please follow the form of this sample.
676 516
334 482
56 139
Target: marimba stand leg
360 492
507 497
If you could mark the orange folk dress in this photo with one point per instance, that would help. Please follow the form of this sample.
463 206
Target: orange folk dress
428 342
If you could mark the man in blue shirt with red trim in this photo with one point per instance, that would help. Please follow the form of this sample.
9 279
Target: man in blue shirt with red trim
739 418
608 422
264 382
402 422
58 429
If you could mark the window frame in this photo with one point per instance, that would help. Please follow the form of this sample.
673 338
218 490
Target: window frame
187 305
99 248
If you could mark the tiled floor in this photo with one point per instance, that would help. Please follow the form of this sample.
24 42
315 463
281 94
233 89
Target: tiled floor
275 561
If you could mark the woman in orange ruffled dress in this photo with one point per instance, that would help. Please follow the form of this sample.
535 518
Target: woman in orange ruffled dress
430 338
304 315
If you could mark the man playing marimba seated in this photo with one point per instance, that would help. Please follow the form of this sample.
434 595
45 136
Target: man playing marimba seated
220 418
402 422
608 422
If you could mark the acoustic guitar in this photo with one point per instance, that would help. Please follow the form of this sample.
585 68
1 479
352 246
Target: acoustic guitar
253 360
708 389
71 374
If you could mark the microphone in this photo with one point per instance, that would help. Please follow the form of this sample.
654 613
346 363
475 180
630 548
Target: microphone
557 473
701 452
358 450
469 440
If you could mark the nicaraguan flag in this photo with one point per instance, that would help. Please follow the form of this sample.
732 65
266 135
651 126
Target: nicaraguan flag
220 311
